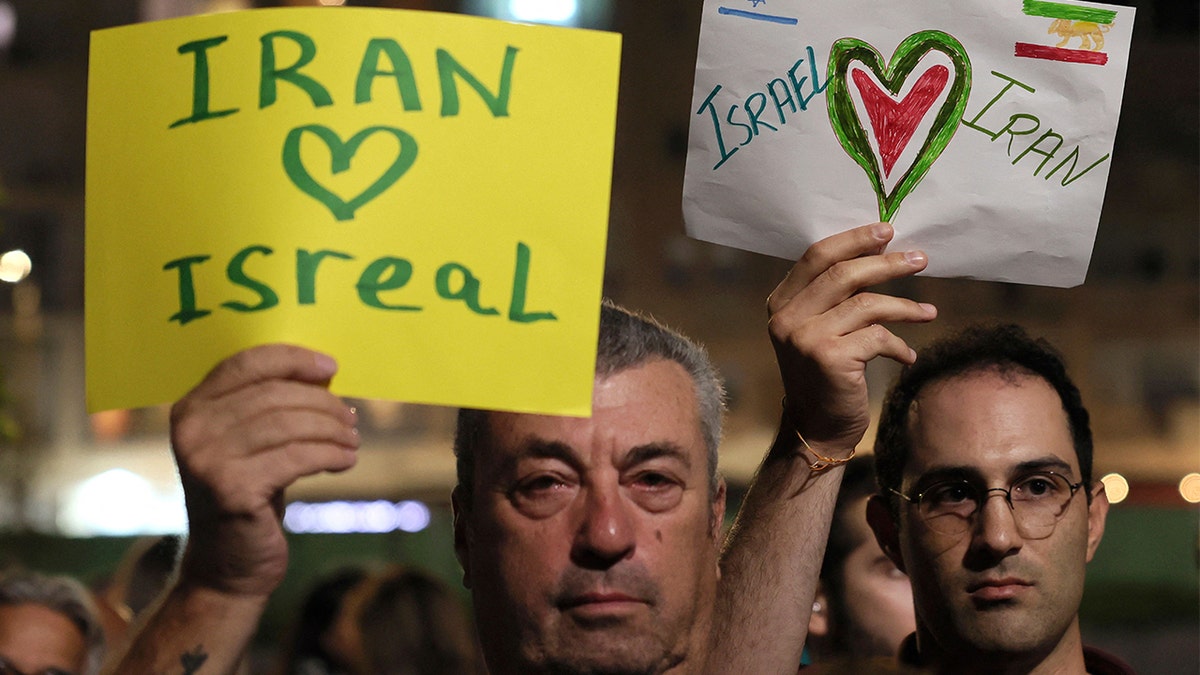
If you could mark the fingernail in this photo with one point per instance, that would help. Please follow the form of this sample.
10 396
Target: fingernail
929 309
915 257
325 363
881 230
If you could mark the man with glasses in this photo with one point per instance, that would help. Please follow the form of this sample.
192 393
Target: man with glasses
984 455
984 459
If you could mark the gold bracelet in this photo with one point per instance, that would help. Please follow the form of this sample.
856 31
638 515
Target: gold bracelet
822 462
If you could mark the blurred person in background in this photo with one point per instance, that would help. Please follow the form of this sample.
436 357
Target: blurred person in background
309 650
402 621
863 608
143 573
48 626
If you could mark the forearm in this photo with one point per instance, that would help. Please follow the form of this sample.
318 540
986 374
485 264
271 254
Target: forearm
195 630
771 561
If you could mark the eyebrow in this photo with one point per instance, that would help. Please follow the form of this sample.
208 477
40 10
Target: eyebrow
1050 463
540 448
644 453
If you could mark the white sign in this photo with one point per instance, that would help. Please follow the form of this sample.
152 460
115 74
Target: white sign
981 129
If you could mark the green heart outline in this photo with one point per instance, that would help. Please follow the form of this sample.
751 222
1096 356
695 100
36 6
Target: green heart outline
340 156
849 128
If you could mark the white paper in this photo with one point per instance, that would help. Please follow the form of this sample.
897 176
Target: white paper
1005 200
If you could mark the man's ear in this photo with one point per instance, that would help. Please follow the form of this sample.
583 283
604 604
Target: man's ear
462 537
818 621
879 517
1097 515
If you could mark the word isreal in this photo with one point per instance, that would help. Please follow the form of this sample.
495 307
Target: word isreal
984 135
401 190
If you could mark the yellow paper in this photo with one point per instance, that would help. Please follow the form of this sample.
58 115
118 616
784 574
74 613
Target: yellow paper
423 196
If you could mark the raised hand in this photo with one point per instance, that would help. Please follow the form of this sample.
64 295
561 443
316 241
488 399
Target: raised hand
825 329
261 419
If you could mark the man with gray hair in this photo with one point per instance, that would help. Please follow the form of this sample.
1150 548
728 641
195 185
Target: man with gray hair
48 626
591 545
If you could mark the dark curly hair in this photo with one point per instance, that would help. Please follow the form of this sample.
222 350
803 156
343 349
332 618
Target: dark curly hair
1007 349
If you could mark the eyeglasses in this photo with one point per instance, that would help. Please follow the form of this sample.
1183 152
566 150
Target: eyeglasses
1037 500
7 668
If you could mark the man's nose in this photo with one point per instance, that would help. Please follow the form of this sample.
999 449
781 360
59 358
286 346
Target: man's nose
996 528
606 531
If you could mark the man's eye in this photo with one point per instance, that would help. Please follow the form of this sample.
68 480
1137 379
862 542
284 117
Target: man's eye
541 484
656 491
655 480
542 495
950 494
1035 487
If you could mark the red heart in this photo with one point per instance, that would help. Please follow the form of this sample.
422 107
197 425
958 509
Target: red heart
894 122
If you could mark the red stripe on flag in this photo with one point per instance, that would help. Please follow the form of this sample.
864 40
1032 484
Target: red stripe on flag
1031 51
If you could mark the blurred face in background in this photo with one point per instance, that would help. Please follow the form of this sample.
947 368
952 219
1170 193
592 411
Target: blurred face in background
876 599
868 610
37 639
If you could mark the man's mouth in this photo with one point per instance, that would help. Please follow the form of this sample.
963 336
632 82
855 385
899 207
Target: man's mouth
994 590
599 598
602 604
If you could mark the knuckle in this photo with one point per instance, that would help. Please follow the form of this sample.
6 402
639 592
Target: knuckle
816 255
838 273
185 434
862 302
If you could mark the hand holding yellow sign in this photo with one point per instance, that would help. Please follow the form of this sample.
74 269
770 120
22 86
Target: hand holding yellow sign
423 196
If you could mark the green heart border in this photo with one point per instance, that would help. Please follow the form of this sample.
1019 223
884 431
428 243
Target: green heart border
849 128
340 155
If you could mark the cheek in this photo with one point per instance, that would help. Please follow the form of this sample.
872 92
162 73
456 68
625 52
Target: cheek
874 592
520 556
932 565
683 549
926 552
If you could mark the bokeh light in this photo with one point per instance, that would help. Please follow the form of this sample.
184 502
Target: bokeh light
1189 488
1116 487
15 266
342 517
547 11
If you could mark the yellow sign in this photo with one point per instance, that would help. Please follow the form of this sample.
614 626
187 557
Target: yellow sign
423 196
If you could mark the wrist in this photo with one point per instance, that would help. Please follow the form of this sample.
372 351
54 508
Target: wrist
819 456
218 599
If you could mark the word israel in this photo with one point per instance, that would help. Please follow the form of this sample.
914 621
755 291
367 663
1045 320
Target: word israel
751 115
379 283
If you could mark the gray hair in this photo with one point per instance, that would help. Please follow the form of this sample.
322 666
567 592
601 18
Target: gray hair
627 340
65 596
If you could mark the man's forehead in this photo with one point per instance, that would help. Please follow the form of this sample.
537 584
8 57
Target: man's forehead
988 423
652 404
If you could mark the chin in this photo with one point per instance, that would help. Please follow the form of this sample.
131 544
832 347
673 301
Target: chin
1004 638
611 655
601 667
